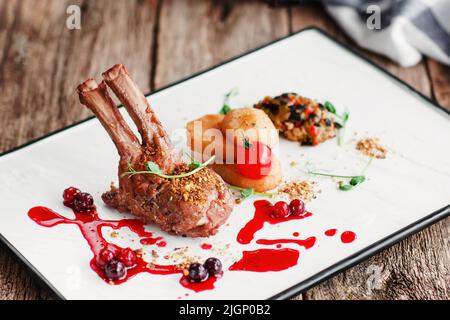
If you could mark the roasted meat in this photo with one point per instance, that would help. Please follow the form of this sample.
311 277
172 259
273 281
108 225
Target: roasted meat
194 206
299 118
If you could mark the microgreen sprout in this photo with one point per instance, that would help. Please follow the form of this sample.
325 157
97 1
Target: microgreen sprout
353 181
341 120
226 102
248 192
153 168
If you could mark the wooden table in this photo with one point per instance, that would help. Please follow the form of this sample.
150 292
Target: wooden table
41 62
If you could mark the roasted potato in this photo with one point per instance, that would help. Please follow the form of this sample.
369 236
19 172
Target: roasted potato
231 175
208 136
199 132
250 123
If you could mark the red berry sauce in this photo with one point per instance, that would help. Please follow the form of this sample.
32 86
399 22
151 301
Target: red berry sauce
263 214
206 246
264 260
330 232
348 236
90 226
307 243
208 284
113 259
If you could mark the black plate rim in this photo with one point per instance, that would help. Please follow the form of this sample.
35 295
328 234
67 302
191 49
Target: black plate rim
318 277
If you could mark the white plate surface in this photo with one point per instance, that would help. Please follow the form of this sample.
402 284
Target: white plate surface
411 183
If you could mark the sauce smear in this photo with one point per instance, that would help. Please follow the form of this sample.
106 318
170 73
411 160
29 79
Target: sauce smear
90 225
264 260
307 243
330 232
348 236
208 284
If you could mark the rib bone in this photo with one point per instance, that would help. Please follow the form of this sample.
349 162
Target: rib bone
152 133
196 205
96 98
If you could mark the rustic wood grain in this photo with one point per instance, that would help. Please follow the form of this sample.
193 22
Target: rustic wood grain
41 63
440 79
208 32
418 267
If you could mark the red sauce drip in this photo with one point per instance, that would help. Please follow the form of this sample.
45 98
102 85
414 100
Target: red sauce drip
296 234
307 243
348 236
150 240
264 260
262 215
208 284
161 244
330 232
90 226
206 246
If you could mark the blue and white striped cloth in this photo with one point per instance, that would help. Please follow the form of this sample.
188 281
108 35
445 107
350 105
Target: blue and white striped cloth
408 30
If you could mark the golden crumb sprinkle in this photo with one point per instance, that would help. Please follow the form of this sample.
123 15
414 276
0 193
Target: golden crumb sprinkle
371 147
114 234
304 190
191 187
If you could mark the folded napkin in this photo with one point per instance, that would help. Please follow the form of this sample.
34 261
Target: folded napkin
407 29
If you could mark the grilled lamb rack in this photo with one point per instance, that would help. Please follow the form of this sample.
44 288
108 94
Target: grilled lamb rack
194 206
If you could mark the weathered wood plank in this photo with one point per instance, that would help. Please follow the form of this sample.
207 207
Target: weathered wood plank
41 63
418 267
440 79
209 32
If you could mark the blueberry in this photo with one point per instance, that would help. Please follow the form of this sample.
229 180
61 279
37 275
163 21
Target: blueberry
197 272
214 266
115 270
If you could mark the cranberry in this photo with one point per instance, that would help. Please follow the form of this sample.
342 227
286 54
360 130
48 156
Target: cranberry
214 266
281 210
83 202
197 273
104 257
70 194
297 207
127 257
115 270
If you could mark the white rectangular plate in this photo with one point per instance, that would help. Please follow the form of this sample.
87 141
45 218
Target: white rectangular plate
405 192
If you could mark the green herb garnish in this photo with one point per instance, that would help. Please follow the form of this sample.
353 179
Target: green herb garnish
194 164
247 144
226 102
248 192
341 119
153 168
330 107
225 109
